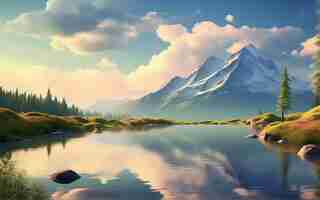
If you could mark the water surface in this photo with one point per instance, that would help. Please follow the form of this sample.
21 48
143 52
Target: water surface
196 163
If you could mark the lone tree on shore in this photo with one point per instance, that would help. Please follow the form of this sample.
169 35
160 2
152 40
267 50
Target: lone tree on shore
316 73
284 102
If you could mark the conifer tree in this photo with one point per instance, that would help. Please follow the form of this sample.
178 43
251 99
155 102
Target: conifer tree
284 101
28 102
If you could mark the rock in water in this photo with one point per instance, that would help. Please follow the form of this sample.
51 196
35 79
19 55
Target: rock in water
64 177
252 136
271 138
310 152
283 141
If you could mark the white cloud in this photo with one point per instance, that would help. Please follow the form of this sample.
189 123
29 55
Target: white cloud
309 48
81 86
83 26
170 33
107 63
230 18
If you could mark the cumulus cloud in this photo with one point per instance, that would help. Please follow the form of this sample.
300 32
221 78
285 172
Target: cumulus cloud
107 63
83 26
230 18
82 86
309 48
170 33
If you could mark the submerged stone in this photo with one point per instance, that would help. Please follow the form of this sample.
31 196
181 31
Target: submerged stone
271 138
64 177
252 136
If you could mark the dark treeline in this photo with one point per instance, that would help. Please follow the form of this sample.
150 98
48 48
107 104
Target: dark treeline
28 102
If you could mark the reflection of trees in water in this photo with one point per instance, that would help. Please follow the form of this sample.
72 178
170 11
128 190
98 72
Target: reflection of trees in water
49 149
64 142
125 186
40 142
14 185
285 166
316 166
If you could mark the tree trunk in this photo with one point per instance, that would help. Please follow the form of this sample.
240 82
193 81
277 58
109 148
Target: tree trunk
282 116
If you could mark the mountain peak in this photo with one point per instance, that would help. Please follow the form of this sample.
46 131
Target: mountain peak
250 48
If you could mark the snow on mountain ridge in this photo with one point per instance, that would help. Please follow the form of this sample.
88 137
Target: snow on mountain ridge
251 69
246 71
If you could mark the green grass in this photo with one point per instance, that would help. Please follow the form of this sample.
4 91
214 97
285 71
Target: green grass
299 128
15 186
16 126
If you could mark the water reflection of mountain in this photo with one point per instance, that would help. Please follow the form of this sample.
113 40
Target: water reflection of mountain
125 186
198 163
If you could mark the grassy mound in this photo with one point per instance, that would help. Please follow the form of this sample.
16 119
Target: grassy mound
16 126
304 128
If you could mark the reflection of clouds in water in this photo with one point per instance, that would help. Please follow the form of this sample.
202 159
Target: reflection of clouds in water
179 168
182 183
105 161
124 187
310 194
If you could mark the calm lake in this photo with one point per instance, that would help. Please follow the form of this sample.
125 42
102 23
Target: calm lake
179 163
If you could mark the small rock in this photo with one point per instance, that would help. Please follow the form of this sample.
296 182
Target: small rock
64 177
57 133
283 141
252 136
310 152
271 138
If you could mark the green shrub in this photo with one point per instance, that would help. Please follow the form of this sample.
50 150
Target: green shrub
15 186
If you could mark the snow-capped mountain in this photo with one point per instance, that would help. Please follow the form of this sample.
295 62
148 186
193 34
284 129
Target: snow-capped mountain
247 76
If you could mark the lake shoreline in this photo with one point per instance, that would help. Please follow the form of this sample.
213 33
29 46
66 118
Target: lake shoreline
298 129
25 126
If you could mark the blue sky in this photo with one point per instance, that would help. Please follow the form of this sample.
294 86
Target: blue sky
134 40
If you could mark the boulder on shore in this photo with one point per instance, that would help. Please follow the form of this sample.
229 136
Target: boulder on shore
310 152
64 177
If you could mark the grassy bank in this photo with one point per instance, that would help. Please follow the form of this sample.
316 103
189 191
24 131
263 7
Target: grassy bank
16 126
298 128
